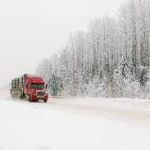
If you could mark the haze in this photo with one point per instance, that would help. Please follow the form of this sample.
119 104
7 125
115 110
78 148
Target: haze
31 30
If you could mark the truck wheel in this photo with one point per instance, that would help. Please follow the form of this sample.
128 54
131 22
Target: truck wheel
29 98
22 96
45 101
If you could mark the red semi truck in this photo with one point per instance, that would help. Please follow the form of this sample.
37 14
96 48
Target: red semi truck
28 86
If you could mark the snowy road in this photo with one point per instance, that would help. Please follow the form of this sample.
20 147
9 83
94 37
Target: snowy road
74 124
135 110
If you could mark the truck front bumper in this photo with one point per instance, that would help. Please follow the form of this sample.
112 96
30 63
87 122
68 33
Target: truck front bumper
34 97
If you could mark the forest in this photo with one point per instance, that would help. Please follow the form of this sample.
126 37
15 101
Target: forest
110 59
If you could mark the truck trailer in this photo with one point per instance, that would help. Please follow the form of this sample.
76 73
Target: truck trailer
28 86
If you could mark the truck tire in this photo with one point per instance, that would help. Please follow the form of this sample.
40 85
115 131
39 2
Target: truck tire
22 96
45 101
29 98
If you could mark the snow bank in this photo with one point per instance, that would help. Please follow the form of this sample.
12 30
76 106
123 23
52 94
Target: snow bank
40 126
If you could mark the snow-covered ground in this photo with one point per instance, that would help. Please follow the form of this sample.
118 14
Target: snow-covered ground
74 124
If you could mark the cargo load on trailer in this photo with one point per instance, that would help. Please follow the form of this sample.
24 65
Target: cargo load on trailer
28 86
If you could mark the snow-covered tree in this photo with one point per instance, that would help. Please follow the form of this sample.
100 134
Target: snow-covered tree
105 58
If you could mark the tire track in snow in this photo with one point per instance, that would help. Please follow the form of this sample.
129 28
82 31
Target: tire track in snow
97 111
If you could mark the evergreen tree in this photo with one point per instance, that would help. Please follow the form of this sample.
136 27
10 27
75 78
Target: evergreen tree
124 69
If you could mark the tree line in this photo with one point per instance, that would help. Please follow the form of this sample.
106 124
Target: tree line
110 59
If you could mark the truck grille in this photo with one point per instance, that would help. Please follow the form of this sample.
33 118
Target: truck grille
40 93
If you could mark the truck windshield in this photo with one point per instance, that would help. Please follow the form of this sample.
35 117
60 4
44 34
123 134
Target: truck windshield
37 85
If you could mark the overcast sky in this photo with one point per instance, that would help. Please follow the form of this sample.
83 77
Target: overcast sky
31 30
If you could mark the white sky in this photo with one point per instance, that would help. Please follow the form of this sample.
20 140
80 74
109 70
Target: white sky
31 30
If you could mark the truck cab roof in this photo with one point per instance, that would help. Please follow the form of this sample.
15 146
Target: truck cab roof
34 79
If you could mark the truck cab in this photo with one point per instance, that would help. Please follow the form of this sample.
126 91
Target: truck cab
34 88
